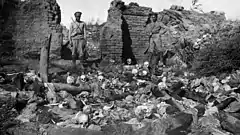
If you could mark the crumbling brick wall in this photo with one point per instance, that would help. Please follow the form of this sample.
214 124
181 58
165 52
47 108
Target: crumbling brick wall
7 9
123 36
30 23
135 39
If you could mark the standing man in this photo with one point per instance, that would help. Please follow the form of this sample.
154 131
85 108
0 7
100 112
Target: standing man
155 50
77 37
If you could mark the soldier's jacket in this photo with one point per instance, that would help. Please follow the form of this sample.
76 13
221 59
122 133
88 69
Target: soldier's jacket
77 30
159 37
154 28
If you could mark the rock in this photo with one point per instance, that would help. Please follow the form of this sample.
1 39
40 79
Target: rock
178 8
185 26
94 127
116 129
129 98
230 123
28 113
201 110
24 129
71 131
233 107
171 110
183 120
209 121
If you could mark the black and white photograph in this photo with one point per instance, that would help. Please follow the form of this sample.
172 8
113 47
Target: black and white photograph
119 67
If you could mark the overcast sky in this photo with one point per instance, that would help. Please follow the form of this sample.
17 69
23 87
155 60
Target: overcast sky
97 9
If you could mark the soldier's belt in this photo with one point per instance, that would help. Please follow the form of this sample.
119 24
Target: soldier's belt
73 35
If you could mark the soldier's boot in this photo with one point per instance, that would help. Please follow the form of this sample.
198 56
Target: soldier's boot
81 65
73 61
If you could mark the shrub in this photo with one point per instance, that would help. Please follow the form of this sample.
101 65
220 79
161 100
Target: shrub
221 52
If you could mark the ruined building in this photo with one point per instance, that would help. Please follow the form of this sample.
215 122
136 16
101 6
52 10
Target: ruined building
25 27
123 35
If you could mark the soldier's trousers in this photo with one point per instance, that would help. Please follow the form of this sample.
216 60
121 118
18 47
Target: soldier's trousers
154 58
78 48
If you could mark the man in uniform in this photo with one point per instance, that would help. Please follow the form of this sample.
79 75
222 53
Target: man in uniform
77 37
155 50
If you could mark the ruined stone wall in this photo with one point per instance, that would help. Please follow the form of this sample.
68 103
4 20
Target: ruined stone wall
30 24
123 36
7 10
111 35
135 40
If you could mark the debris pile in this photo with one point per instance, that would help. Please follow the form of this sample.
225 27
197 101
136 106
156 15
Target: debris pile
126 97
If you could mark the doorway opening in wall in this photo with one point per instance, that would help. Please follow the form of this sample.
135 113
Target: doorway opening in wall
127 43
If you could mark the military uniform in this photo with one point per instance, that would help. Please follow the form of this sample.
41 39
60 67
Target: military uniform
155 50
77 35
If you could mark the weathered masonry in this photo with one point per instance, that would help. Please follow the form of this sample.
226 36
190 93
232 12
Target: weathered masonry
123 36
27 24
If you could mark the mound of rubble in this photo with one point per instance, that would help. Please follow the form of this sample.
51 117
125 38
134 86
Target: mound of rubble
120 99
123 35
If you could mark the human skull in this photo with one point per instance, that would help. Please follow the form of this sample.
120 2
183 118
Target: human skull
137 66
129 61
70 79
134 71
84 94
146 64
105 84
100 78
98 114
83 78
82 119
144 72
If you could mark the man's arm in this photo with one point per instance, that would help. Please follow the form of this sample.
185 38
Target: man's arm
163 25
84 31
70 32
148 29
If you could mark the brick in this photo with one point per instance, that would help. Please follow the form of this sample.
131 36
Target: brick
32 26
